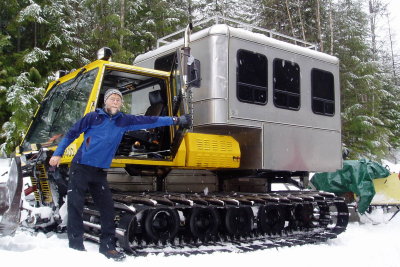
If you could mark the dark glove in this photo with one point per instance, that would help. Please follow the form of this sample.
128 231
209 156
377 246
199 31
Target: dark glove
184 121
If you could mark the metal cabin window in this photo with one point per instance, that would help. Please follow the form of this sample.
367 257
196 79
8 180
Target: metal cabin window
322 94
252 79
165 63
286 84
169 63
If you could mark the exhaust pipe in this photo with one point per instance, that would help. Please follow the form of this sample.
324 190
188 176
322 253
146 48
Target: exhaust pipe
185 57
188 31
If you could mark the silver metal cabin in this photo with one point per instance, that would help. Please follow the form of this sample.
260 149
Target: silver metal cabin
279 100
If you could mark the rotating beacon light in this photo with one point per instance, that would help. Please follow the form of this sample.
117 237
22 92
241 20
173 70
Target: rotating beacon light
104 53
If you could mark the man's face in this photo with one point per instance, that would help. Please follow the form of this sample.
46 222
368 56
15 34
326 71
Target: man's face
113 104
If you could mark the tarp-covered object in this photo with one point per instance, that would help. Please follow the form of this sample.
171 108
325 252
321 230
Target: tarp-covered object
356 176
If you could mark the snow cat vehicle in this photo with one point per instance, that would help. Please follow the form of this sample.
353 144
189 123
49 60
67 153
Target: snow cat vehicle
265 112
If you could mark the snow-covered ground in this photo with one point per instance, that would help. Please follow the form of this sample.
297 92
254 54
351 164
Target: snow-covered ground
363 244
375 241
392 167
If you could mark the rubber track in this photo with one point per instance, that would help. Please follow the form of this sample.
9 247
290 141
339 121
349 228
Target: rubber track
320 233
237 246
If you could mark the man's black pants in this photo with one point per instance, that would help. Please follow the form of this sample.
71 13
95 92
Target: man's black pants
83 178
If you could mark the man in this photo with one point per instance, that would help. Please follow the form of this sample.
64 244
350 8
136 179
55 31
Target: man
103 130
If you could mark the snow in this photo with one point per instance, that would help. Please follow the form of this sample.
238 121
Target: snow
4 166
32 11
53 41
36 55
381 198
392 167
394 21
374 241
363 244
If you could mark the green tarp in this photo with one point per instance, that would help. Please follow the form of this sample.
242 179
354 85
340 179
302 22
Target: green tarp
356 176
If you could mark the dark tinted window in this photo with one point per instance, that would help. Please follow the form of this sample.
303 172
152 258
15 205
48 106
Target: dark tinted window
169 63
323 97
252 70
286 84
165 63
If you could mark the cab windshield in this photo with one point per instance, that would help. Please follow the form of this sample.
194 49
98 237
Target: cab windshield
60 109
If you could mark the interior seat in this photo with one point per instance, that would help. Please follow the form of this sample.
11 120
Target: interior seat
157 104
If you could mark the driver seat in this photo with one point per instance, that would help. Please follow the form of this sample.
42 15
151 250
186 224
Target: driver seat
158 108
157 104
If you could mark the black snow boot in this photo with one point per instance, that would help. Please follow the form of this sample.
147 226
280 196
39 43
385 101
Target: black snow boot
107 248
76 242
79 247
113 254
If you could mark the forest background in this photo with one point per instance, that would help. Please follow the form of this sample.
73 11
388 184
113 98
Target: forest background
39 37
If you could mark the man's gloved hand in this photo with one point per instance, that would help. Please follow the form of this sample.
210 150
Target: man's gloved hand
184 121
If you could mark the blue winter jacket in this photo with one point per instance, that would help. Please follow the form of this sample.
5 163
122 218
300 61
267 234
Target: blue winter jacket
103 133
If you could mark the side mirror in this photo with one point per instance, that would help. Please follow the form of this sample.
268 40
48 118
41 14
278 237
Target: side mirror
194 74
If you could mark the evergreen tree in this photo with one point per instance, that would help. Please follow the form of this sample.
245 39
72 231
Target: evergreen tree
38 37
390 110
156 19
4 81
19 79
66 38
22 97
272 15
235 9
7 12
294 18
42 43
362 90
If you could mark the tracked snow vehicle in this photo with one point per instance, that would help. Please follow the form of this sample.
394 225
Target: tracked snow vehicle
265 112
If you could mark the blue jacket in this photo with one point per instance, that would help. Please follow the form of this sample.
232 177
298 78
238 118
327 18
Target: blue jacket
103 133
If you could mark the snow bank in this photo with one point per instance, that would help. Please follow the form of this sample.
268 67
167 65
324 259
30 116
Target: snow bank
375 242
392 167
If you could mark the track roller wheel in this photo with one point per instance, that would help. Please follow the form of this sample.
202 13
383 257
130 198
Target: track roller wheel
204 223
127 224
238 221
287 215
304 214
270 219
339 214
324 214
161 224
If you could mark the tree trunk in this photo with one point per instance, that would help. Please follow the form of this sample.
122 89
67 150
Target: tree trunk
122 19
301 20
321 44
34 34
391 49
372 19
290 18
190 10
19 40
331 25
